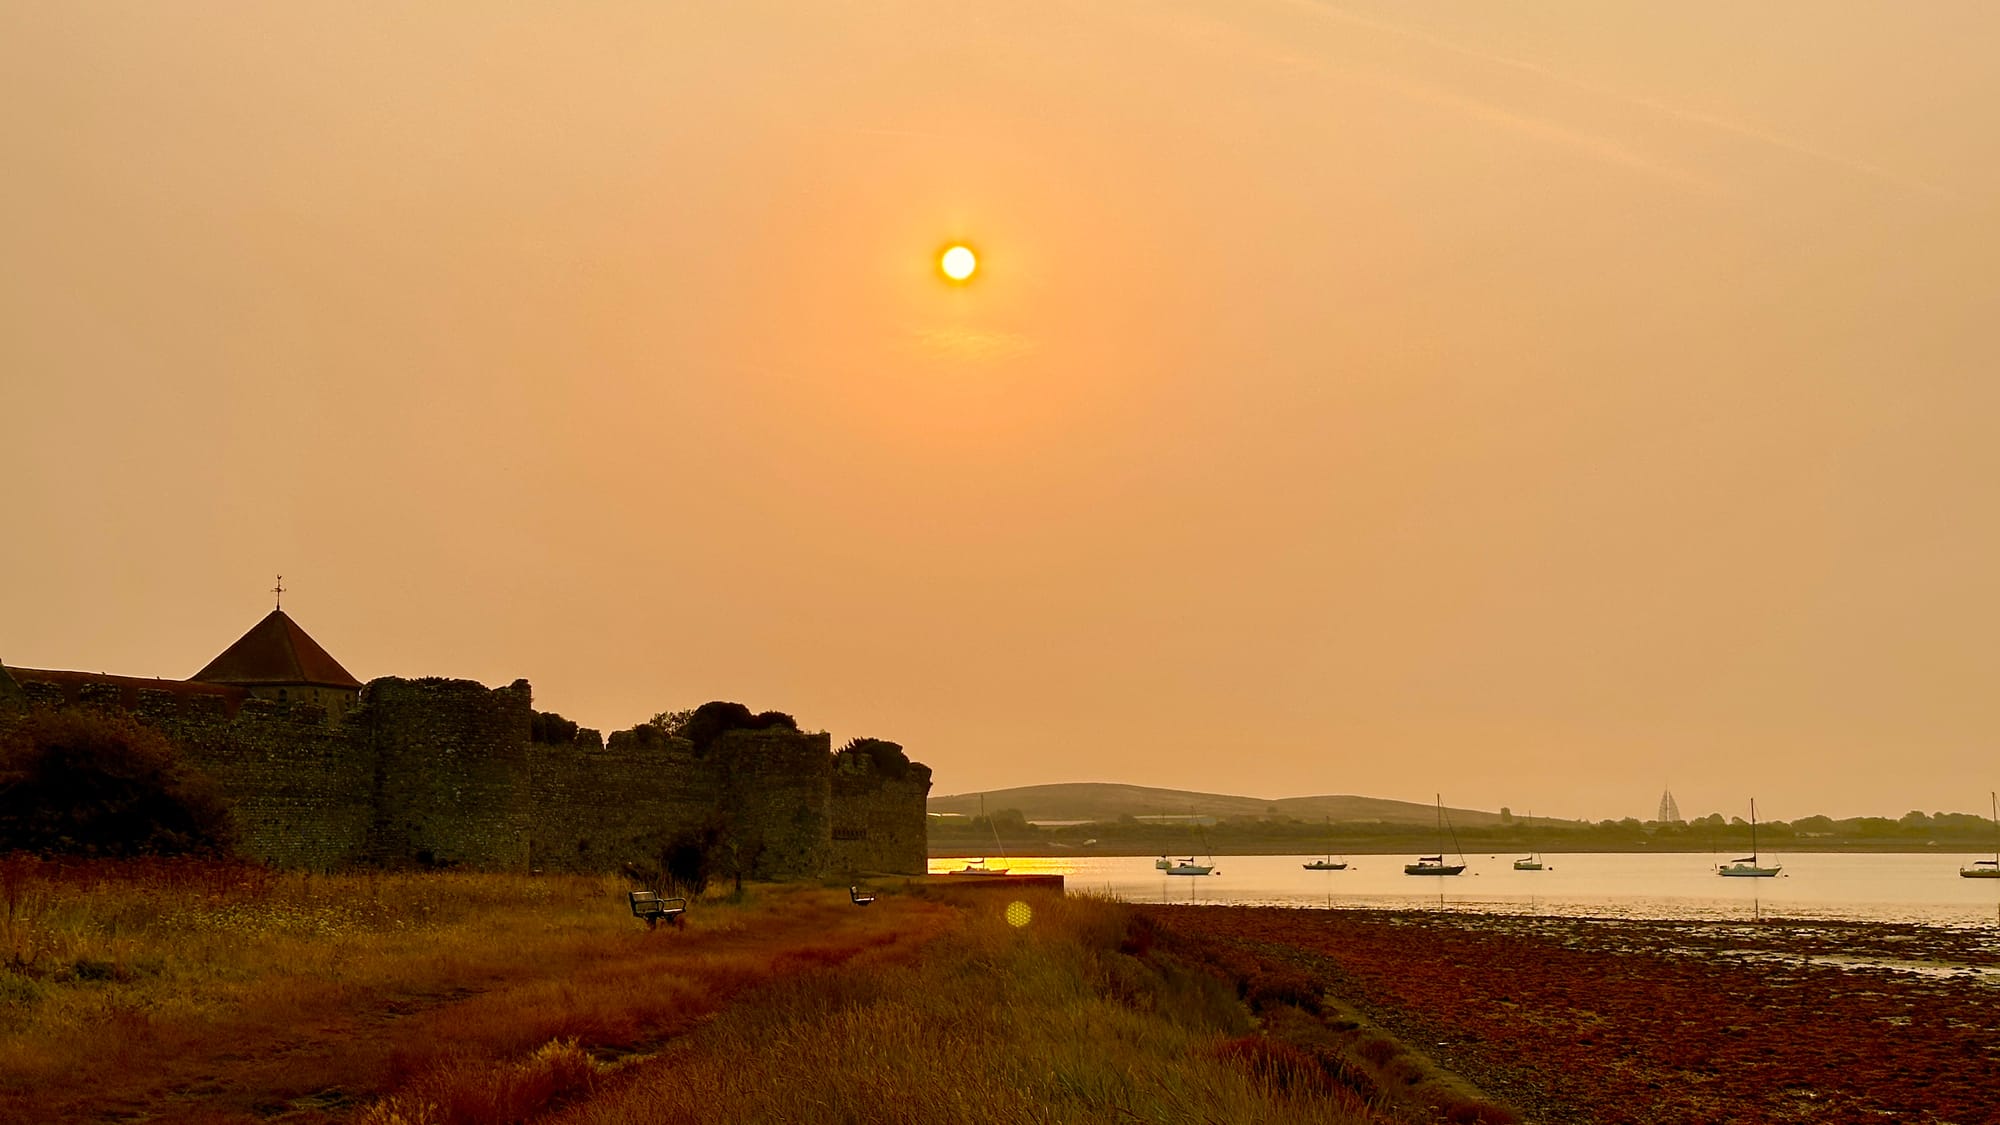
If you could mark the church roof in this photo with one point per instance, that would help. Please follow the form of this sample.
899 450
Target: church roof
276 651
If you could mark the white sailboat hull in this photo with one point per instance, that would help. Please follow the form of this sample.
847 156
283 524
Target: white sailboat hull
1748 867
1747 871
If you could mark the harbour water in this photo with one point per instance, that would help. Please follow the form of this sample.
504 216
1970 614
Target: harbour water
1860 887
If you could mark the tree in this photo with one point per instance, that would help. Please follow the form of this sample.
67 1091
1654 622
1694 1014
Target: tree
671 723
92 783
1006 821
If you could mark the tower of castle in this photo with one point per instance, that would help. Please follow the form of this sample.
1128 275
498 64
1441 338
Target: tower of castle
278 661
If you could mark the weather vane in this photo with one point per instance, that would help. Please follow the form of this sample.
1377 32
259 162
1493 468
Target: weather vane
279 590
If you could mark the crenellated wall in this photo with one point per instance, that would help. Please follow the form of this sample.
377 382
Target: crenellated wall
450 762
779 784
599 806
879 821
450 772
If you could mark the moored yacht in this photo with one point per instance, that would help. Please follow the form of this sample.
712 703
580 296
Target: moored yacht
1748 867
1435 864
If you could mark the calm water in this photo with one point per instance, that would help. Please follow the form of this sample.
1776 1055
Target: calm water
1866 888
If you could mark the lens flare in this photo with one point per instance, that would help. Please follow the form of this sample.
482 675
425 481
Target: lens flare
1019 914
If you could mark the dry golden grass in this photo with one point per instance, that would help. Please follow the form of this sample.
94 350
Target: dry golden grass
186 992
200 992
1047 1022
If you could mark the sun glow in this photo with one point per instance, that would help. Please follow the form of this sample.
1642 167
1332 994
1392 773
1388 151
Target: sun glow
958 263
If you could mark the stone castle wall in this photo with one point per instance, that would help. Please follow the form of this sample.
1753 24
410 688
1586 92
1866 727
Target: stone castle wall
450 772
299 788
450 764
780 786
600 806
879 821
300 792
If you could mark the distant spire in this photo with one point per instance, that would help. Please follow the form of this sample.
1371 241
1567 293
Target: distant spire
279 590
1670 810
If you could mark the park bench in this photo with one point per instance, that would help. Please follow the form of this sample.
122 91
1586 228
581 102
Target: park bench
855 896
655 909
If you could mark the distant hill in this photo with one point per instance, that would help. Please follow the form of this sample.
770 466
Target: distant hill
1105 801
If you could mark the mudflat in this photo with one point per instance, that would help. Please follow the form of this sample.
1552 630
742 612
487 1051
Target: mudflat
1615 1021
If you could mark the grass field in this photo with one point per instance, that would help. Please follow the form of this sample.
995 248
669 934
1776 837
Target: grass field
193 992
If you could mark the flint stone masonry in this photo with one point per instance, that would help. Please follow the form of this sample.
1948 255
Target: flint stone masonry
779 788
452 773
299 787
879 821
600 806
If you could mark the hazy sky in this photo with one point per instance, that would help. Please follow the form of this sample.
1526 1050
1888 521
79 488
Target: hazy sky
1533 402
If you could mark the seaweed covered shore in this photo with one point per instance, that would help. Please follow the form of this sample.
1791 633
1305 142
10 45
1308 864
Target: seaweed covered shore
1605 1022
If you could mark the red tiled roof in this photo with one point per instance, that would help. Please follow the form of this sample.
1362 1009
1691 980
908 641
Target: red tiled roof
276 651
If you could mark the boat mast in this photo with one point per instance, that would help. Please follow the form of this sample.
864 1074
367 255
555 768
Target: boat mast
1753 831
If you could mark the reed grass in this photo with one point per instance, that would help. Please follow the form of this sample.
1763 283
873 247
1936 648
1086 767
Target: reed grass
1054 1021
211 993
224 993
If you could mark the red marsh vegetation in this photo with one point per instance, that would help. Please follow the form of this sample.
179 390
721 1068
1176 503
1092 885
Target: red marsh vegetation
1611 1022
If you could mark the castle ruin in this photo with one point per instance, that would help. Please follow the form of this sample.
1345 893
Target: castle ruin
323 771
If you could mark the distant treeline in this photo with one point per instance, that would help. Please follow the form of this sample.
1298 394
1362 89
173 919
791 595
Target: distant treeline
1280 834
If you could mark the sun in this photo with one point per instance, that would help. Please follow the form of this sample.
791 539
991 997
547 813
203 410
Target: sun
958 262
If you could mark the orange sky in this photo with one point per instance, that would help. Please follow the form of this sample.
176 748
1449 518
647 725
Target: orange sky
1536 403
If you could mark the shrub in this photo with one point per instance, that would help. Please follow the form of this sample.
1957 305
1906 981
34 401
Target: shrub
714 719
91 783
887 757
1273 986
552 729
688 860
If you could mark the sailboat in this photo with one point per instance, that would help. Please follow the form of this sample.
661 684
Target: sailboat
1435 864
978 866
1325 862
1987 868
1188 866
1533 860
1747 867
